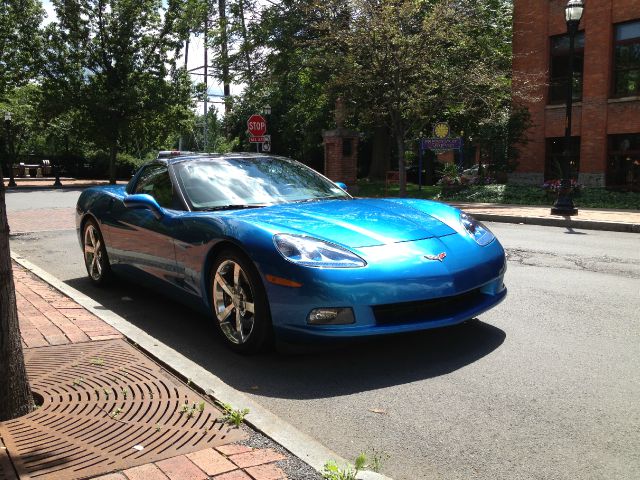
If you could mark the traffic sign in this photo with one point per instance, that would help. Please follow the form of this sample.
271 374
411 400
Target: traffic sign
258 139
256 125
266 145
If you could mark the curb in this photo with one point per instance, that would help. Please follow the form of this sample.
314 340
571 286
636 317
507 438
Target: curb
299 444
566 222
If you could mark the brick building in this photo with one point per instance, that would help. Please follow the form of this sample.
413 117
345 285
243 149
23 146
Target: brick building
606 110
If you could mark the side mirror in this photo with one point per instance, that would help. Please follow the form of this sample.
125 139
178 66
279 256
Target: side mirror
142 200
343 186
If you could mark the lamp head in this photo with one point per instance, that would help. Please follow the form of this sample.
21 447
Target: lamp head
573 11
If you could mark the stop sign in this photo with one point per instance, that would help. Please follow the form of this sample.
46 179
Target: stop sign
256 125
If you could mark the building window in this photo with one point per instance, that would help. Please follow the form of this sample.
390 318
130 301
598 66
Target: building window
559 68
626 63
553 160
623 163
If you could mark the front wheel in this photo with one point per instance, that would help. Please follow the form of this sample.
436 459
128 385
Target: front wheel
239 303
95 254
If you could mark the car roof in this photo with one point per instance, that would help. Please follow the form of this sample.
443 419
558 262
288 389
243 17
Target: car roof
191 156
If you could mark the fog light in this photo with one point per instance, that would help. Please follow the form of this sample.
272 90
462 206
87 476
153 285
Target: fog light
331 316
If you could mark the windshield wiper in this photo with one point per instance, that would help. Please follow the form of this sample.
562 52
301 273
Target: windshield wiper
240 206
317 199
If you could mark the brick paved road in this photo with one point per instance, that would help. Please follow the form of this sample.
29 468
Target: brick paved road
41 220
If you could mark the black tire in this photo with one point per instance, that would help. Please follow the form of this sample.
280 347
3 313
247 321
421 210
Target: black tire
239 303
95 256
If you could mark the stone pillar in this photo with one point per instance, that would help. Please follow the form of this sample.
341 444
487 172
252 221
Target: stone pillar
341 155
341 150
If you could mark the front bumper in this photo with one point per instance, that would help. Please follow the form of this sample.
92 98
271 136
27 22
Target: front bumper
398 291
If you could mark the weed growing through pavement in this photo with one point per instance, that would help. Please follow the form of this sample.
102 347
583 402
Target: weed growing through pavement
107 392
234 416
377 459
125 392
96 361
78 381
115 413
190 410
332 471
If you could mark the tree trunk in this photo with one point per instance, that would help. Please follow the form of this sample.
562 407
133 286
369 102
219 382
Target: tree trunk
15 393
401 167
380 154
113 154
245 47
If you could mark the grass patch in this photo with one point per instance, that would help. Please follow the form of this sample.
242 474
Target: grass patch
506 194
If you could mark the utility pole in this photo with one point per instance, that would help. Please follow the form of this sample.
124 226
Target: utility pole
186 69
206 77
222 12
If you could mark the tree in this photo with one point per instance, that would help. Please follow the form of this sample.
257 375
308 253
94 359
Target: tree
281 66
19 42
406 63
111 59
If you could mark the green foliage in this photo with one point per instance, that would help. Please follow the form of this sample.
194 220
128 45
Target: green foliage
98 162
509 194
377 460
110 61
234 416
501 137
20 43
332 471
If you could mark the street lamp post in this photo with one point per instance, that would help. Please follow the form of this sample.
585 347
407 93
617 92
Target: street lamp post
564 203
7 126
56 172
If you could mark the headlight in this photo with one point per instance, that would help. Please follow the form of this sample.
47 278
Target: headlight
311 252
481 234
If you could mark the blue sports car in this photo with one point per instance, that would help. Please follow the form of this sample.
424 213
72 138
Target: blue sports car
274 250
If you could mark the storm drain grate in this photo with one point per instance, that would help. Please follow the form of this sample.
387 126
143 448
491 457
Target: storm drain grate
106 407
6 469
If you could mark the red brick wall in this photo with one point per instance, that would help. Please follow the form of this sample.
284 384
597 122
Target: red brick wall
597 115
530 67
338 167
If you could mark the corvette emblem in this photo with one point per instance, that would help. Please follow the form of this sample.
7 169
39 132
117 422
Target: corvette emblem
438 257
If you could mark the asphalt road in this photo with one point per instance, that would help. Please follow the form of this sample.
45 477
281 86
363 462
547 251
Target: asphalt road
545 386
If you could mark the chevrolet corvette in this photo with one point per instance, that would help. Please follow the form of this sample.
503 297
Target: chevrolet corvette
271 249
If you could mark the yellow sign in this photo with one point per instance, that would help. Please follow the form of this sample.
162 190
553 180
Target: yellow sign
441 130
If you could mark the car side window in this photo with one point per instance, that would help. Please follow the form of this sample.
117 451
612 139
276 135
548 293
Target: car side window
154 180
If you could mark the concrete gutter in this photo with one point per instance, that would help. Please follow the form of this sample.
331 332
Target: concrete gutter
566 222
299 444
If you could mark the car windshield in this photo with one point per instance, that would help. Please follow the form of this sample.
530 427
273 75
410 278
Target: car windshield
237 182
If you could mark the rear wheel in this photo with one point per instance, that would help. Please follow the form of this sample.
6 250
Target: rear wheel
239 303
95 254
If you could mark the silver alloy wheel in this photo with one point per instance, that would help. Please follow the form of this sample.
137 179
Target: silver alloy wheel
233 302
93 252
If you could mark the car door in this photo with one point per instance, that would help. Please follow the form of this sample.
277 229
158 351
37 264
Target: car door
138 239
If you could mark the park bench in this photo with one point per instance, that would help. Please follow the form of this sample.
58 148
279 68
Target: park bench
41 169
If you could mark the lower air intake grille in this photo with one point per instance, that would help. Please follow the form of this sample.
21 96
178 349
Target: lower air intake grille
426 310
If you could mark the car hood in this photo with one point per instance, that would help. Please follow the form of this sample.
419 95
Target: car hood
353 223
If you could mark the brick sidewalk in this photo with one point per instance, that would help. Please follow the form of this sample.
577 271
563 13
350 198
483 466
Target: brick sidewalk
48 317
